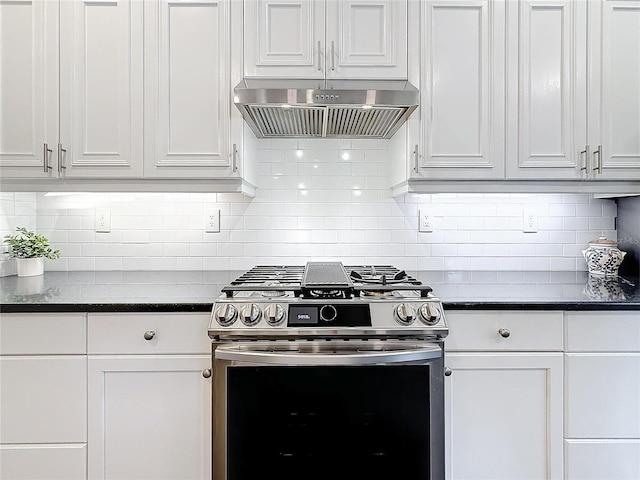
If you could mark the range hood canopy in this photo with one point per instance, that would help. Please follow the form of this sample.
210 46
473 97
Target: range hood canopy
276 108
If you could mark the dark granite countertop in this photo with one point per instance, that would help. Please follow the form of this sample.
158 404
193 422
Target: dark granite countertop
195 291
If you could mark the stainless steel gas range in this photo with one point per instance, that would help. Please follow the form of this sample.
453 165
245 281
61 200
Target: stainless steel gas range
327 371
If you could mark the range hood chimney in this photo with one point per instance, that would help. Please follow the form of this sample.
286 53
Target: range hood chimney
276 108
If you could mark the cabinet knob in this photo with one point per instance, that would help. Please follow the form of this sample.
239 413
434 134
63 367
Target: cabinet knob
504 332
447 372
149 334
206 373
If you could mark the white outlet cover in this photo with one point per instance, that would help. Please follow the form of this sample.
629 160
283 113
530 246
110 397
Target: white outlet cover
425 221
212 221
103 220
529 221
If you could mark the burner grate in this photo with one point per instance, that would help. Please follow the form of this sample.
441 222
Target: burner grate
319 278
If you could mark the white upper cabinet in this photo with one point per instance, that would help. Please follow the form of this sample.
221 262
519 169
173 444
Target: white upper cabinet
366 39
574 71
462 90
284 38
547 127
187 88
28 87
115 90
100 89
325 39
614 94
76 110
539 90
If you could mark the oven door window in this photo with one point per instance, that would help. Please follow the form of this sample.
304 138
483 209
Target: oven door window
328 422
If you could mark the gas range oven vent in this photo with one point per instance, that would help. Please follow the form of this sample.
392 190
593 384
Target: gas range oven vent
359 122
277 122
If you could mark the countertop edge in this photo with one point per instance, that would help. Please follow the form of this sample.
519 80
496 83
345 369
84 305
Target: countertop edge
105 307
206 307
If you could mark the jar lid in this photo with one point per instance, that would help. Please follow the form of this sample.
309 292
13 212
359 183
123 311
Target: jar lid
603 242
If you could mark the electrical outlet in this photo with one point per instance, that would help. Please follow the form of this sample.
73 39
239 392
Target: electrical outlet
425 222
529 221
103 220
212 221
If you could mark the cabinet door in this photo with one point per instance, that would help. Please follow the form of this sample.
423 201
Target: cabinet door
187 104
43 462
366 39
463 91
149 417
28 87
43 399
284 38
614 101
100 89
546 126
504 416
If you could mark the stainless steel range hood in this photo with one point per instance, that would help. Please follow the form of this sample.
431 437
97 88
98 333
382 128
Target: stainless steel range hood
276 108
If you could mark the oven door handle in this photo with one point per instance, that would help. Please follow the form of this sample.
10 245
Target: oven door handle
361 356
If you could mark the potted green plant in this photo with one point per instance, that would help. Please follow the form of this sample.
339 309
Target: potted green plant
30 249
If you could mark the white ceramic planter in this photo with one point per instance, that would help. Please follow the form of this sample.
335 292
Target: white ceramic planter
30 285
29 267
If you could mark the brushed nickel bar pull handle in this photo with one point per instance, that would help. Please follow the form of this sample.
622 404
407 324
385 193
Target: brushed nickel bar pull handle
235 158
45 162
60 159
333 52
584 159
415 159
598 152
319 56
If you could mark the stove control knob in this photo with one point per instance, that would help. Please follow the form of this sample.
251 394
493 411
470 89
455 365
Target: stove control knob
250 314
274 314
430 313
405 314
226 314
328 313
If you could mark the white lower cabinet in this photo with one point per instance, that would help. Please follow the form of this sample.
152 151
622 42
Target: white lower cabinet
149 418
150 402
43 397
504 396
602 402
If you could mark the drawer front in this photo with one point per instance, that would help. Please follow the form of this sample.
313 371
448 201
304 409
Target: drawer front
148 333
43 334
603 395
603 331
43 399
504 331
602 459
51 462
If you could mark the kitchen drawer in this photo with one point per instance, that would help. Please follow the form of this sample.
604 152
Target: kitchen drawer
127 333
43 334
602 331
527 331
602 459
48 461
43 399
602 395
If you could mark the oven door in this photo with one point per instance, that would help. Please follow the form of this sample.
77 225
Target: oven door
338 409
